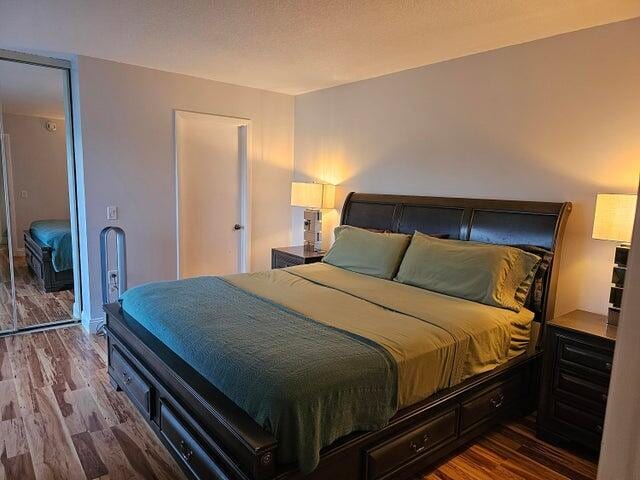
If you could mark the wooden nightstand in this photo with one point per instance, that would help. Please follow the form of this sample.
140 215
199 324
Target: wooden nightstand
290 256
578 354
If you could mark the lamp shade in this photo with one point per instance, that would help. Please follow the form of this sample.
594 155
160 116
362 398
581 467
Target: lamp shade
312 195
614 216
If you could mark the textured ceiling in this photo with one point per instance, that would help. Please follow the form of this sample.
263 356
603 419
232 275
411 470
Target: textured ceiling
29 90
292 46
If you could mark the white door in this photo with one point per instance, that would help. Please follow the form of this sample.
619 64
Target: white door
212 178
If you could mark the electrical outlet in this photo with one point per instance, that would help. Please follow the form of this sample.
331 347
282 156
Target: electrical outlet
113 281
24 194
112 213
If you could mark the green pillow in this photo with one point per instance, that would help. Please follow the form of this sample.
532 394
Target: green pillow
362 251
495 275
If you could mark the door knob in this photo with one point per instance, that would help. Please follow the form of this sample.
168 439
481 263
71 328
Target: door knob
237 226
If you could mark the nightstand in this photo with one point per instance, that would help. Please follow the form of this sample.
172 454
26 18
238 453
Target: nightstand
290 256
578 354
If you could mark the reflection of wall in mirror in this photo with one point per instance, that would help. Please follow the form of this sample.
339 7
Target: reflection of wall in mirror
37 171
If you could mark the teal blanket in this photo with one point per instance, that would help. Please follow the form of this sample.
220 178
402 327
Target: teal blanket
304 382
57 235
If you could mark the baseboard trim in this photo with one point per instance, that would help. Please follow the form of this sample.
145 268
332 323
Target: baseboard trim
91 324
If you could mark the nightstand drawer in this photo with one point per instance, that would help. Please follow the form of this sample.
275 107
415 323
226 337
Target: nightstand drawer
591 423
569 384
585 355
283 261
291 256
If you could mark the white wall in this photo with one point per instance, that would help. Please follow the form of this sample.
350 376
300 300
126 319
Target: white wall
556 119
126 135
39 165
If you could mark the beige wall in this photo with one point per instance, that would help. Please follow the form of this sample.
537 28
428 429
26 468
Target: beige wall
126 136
39 165
556 119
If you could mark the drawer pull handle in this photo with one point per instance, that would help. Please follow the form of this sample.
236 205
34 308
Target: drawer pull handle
127 378
607 366
497 401
185 452
423 446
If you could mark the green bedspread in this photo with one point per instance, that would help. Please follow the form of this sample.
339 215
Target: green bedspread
306 382
57 235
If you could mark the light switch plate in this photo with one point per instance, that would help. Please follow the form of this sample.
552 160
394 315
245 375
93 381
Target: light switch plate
112 213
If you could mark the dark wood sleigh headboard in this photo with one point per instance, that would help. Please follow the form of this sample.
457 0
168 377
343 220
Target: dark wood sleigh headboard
503 222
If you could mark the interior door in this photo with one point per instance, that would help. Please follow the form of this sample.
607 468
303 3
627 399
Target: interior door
211 167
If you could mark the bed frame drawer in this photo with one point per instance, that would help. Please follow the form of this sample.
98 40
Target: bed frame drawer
383 461
33 261
130 380
490 402
176 433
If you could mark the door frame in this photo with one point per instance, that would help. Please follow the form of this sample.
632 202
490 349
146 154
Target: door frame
72 166
245 157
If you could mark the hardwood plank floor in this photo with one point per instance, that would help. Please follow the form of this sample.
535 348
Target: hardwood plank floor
61 419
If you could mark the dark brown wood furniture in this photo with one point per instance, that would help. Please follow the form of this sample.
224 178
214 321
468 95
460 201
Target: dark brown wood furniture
575 380
289 256
38 257
212 438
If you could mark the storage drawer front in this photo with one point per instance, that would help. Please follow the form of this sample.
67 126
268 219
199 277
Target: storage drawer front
586 355
490 402
130 380
421 441
285 262
186 446
568 383
34 262
280 260
579 417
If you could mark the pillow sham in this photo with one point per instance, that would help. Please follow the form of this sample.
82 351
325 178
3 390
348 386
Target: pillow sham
362 251
533 298
481 272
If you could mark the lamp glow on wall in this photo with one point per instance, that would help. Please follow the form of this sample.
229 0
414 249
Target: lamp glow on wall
613 221
313 197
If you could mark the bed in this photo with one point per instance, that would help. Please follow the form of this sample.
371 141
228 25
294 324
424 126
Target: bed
447 385
49 254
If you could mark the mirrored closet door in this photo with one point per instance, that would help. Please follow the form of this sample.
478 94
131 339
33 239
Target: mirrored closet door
37 255
7 287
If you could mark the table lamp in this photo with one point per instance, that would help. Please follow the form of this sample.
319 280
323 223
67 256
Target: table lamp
312 196
613 221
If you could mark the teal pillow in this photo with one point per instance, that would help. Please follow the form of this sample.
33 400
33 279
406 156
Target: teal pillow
495 275
370 253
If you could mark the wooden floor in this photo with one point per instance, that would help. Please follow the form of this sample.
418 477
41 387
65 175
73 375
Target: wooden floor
34 307
61 419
